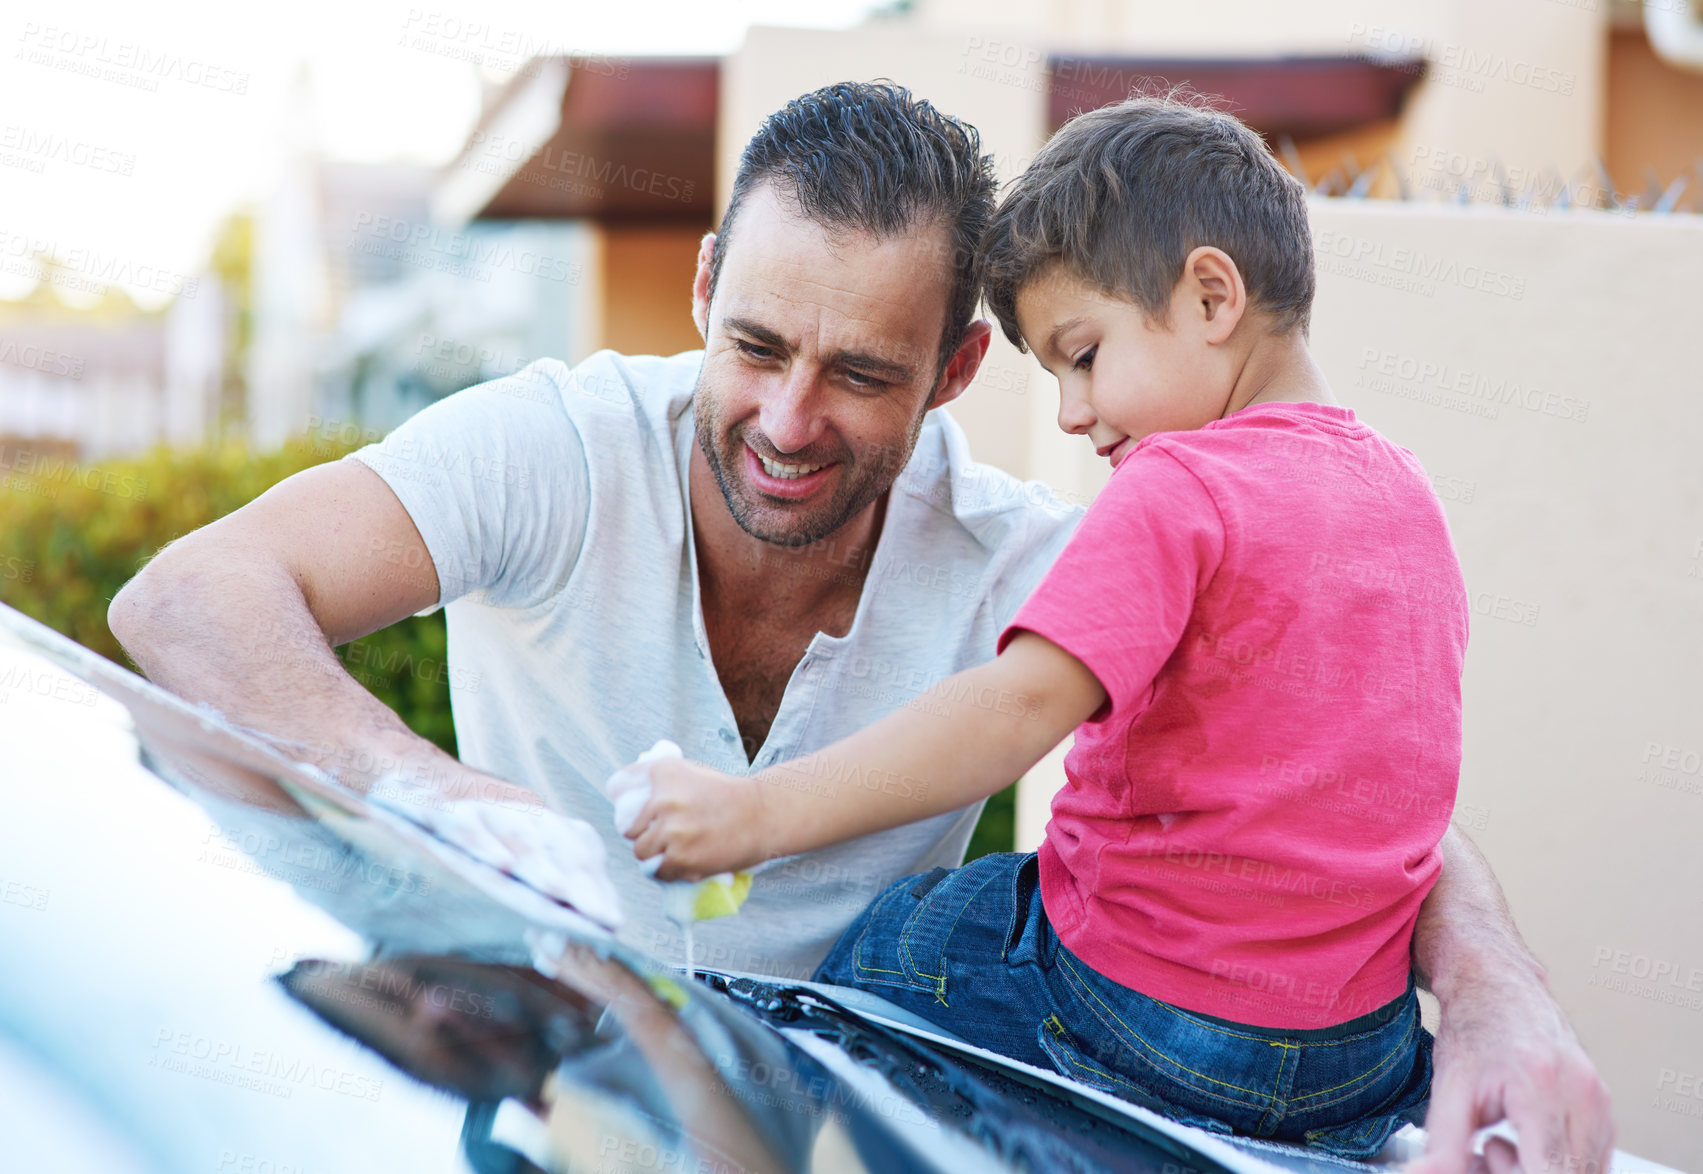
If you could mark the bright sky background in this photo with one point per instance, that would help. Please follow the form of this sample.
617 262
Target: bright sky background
368 80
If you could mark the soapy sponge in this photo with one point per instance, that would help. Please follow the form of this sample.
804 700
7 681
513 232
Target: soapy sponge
718 896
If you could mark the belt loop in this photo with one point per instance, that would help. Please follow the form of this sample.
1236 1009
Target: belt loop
1025 906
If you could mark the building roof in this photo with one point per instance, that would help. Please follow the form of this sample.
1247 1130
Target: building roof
633 139
1302 97
611 139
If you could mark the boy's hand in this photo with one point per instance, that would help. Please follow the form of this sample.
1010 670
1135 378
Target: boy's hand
699 821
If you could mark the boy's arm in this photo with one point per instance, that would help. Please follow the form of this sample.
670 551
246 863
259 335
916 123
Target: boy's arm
962 740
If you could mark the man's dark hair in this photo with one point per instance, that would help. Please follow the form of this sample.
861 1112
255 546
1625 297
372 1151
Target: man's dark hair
1120 196
868 157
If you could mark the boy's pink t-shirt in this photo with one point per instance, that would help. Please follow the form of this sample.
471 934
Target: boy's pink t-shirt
1276 612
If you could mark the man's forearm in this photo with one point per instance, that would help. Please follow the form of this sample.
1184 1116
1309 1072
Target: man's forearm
1465 933
237 634
1504 1046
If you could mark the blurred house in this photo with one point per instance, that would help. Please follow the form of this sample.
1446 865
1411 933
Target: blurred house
570 219
93 374
568 222
367 308
1571 104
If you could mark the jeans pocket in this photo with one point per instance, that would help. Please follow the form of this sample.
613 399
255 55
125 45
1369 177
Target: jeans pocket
1362 1137
1202 1071
905 936
1055 1041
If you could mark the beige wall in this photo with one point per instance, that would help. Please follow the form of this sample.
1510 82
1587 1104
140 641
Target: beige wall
1515 84
1255 28
1546 373
1510 84
1577 509
1571 468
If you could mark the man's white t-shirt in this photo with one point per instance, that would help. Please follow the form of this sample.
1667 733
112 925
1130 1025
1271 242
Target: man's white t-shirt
554 505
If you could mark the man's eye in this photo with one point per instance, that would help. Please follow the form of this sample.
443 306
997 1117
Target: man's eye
753 349
1086 362
867 382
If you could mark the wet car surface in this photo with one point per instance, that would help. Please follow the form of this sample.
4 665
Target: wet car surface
214 959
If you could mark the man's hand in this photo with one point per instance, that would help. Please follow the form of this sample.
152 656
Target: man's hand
699 821
517 834
1504 1049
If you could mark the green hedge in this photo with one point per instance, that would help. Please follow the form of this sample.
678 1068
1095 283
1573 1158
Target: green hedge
72 534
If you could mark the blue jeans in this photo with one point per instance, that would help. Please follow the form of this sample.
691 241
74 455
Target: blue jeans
971 950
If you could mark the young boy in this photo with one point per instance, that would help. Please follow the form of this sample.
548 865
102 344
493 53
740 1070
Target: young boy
1257 635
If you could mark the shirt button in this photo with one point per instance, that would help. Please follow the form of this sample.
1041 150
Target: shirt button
727 735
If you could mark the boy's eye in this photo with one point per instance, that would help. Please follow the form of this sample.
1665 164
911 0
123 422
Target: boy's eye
1086 360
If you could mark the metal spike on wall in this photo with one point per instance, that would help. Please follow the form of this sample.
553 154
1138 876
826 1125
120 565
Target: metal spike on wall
1363 182
1590 188
1292 159
1652 187
1670 198
1528 195
1498 177
1607 181
1404 190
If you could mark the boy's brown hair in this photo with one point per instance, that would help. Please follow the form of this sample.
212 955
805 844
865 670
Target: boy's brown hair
1121 195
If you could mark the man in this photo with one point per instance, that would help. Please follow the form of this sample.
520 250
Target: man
752 551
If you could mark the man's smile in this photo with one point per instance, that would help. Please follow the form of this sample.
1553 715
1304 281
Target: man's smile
782 479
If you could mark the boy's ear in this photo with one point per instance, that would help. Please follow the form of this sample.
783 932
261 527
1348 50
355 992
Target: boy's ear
701 286
1215 291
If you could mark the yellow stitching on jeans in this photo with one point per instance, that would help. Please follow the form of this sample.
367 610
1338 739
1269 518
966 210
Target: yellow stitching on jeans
1324 1043
1394 1054
1334 1043
905 936
1065 960
1113 1077
1197 1022
1277 1083
857 954
1399 1048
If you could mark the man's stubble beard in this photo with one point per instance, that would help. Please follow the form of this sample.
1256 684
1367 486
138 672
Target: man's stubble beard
868 479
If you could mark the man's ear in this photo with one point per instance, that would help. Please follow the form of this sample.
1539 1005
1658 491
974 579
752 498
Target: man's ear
701 286
1214 292
961 368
